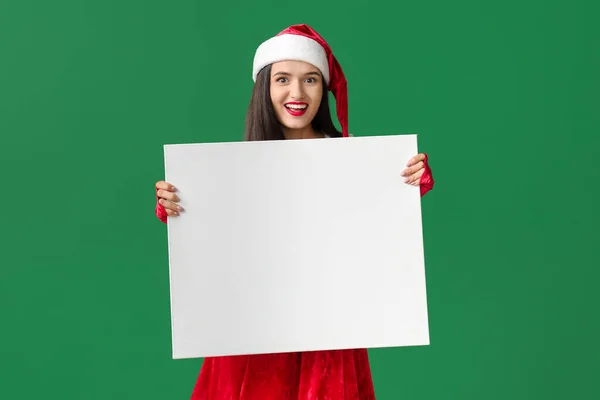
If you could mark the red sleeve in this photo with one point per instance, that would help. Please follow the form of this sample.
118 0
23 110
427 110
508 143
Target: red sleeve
426 181
160 211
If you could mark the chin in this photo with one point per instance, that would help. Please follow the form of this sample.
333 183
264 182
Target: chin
295 124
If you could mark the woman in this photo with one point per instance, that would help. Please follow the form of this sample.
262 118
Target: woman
293 72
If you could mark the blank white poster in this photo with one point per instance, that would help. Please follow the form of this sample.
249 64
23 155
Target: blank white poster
295 245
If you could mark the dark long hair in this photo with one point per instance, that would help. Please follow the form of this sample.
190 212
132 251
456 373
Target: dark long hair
261 120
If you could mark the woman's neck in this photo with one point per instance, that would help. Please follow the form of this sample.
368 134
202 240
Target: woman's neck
304 133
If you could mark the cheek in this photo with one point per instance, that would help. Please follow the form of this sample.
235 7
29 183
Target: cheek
276 95
317 97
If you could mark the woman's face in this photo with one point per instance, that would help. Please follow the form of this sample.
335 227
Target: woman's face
296 92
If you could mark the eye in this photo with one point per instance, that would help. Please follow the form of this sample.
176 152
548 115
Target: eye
281 80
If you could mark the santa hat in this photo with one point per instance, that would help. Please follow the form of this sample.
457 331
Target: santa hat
302 43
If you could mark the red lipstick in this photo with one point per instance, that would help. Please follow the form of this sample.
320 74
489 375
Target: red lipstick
296 108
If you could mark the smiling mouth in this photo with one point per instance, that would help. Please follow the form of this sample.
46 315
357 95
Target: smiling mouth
296 109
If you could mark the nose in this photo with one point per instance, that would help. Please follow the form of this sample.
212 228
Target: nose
296 90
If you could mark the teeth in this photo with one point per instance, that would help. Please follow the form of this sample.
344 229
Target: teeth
296 106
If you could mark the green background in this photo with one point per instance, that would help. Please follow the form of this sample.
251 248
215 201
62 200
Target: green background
504 96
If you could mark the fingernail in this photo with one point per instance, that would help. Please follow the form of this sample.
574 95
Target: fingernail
180 208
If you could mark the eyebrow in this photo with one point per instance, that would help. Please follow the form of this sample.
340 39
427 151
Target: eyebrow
288 74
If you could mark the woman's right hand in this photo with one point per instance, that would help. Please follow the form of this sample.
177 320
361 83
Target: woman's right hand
167 198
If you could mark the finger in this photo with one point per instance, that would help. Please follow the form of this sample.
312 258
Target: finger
172 213
414 179
169 205
411 170
416 159
165 186
162 193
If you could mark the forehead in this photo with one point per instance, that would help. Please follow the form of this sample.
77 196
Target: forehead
294 67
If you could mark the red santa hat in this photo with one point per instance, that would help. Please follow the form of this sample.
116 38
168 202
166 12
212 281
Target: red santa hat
302 43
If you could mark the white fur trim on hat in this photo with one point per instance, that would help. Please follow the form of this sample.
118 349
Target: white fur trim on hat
290 47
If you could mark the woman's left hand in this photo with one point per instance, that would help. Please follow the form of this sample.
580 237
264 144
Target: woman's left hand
415 169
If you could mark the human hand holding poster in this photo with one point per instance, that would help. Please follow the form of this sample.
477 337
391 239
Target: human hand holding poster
295 245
